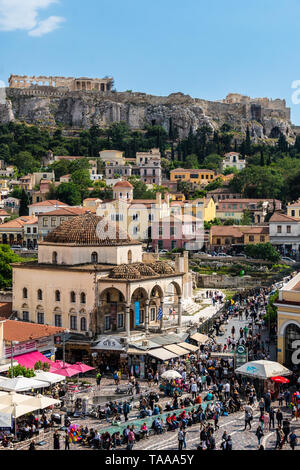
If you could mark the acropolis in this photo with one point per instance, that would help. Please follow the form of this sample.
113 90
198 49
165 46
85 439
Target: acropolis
72 84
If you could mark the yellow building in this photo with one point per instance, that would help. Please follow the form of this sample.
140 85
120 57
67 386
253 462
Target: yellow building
201 208
202 177
288 323
229 236
293 209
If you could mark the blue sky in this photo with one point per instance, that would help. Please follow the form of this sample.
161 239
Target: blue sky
205 49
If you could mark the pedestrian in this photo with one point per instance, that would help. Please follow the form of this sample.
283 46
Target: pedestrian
67 441
293 440
228 444
130 439
279 417
259 434
180 438
32 446
126 409
272 418
248 419
98 379
56 442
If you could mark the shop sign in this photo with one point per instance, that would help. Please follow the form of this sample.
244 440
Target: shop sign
109 344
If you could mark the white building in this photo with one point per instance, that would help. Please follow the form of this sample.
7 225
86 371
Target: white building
233 160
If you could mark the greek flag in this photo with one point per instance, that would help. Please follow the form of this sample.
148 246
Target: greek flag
160 313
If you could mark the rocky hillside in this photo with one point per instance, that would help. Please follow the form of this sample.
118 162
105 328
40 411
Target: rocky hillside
47 106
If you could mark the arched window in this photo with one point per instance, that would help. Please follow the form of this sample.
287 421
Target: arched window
40 294
83 324
82 298
108 297
129 255
54 257
25 293
94 257
73 297
57 296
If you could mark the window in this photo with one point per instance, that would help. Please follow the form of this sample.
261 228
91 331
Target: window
25 293
83 324
34 229
54 257
73 322
73 297
288 229
57 296
135 230
251 238
121 320
129 256
262 238
53 221
57 320
40 294
40 318
278 228
152 313
135 217
107 323
28 230
94 257
45 221
293 213
25 315
82 298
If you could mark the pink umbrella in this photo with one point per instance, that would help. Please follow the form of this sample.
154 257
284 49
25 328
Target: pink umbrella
82 368
58 364
67 371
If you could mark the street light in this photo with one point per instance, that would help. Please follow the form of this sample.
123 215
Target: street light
12 356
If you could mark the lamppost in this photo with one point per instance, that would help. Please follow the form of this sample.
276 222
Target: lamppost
12 357
64 346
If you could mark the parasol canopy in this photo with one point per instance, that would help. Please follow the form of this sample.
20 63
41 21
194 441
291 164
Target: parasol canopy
67 371
82 368
262 369
21 384
280 380
171 375
49 377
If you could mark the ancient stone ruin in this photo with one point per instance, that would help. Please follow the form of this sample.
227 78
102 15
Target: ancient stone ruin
70 83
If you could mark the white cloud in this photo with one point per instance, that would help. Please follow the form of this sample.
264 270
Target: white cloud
46 26
23 15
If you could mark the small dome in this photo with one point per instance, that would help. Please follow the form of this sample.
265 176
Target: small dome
123 184
162 267
125 271
88 230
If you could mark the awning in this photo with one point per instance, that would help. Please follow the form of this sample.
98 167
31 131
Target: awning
109 344
200 338
162 354
30 359
177 350
136 351
189 347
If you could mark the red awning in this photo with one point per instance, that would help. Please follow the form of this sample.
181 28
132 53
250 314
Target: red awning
30 359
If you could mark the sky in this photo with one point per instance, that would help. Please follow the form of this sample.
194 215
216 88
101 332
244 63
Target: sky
204 49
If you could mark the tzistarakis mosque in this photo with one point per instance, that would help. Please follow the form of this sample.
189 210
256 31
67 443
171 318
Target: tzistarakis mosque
92 278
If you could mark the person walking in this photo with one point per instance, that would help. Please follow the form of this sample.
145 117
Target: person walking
248 419
272 418
228 444
131 440
293 440
98 379
279 417
180 438
126 409
67 441
259 434
56 442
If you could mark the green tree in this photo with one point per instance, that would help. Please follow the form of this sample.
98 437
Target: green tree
247 217
191 162
262 251
7 256
69 193
24 203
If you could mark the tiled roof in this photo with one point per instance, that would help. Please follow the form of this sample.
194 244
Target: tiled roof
66 211
295 204
226 231
19 222
123 184
87 230
280 217
197 170
50 202
14 330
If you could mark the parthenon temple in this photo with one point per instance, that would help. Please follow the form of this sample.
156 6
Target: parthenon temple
72 84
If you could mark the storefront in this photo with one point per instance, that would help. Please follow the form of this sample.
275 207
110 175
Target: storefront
110 355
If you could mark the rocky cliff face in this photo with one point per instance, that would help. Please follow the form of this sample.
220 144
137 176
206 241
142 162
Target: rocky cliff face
47 106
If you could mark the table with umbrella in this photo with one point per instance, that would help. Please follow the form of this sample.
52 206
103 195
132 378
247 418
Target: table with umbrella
166 386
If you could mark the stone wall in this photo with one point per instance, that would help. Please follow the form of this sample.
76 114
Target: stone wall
70 83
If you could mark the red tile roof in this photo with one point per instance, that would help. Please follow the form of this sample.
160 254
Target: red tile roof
50 202
66 211
14 330
280 217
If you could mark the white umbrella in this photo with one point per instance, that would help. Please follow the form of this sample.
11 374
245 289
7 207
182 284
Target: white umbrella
41 402
171 374
21 384
49 377
262 369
